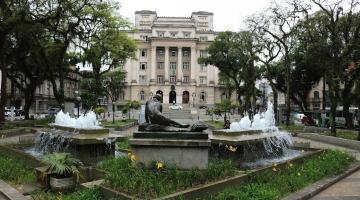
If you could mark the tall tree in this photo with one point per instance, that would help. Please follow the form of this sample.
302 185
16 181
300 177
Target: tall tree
234 55
114 82
279 22
339 29
108 50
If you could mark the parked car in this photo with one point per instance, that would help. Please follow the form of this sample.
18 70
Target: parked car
19 112
175 107
7 112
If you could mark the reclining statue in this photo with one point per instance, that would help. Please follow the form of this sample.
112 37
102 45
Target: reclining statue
155 121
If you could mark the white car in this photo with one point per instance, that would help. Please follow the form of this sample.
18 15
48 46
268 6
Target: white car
175 107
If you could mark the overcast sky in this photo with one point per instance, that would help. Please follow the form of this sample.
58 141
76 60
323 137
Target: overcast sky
228 14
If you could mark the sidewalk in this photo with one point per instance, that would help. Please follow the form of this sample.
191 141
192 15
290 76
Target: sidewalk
346 189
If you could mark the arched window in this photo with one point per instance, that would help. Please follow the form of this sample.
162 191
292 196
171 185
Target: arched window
316 95
142 95
202 96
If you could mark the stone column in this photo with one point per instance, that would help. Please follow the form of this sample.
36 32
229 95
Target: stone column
153 65
166 64
179 67
193 65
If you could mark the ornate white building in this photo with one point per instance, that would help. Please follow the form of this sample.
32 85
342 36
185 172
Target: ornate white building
166 60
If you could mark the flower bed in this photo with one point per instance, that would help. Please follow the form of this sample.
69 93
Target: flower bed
124 175
278 182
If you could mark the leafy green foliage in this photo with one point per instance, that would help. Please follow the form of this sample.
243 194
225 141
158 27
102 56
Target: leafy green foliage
126 176
85 194
130 106
123 144
14 169
62 164
274 185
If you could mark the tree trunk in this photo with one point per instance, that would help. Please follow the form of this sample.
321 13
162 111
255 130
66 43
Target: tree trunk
275 95
3 94
332 116
29 99
288 90
346 112
113 110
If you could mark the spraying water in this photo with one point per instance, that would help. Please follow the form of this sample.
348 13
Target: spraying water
88 121
278 142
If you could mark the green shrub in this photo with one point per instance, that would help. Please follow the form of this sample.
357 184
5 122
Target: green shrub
123 144
278 182
126 176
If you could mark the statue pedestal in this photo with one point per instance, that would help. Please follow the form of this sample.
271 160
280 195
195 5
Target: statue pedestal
186 150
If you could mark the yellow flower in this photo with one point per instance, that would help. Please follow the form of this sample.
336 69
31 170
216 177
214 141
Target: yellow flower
290 165
232 149
299 174
129 154
159 165
275 165
133 158
274 169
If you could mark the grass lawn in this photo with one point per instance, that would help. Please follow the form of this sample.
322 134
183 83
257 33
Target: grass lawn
117 122
351 135
292 127
216 124
279 182
126 176
84 194
14 169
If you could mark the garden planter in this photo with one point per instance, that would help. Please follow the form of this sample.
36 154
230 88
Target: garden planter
62 184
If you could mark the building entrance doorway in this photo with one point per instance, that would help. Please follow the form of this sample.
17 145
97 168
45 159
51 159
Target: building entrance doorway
185 97
172 97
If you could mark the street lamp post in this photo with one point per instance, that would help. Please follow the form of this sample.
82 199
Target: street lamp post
193 95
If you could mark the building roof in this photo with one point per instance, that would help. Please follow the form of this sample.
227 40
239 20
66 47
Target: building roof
145 12
202 13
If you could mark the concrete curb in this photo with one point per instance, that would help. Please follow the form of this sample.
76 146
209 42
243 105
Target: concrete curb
313 189
351 144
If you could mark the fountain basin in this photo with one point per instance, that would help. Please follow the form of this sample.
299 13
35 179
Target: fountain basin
81 130
243 138
227 132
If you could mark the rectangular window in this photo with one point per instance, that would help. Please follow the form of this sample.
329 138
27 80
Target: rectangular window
203 79
186 53
160 52
143 66
172 67
186 66
173 53
143 52
142 79
203 38
203 53
160 65
203 67
172 79
186 79
160 79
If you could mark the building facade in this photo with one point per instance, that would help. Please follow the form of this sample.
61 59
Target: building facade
166 60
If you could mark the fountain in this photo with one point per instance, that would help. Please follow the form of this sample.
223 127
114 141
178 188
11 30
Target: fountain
83 136
256 140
